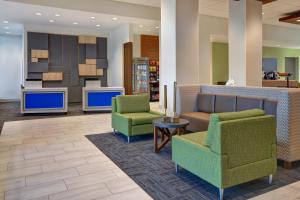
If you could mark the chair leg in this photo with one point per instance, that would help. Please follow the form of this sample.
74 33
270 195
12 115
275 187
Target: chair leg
115 131
270 179
128 139
221 193
176 168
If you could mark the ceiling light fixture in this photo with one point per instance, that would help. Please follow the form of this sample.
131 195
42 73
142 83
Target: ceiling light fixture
51 20
263 13
75 23
98 25
93 17
157 27
57 15
38 14
5 22
298 20
114 19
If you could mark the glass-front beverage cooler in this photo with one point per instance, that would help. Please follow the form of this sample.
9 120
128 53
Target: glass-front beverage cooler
140 78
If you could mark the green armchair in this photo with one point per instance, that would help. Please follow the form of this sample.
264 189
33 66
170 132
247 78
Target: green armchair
237 148
131 115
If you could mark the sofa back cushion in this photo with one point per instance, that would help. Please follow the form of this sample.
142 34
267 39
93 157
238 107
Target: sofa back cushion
225 103
270 107
217 118
133 104
206 103
247 103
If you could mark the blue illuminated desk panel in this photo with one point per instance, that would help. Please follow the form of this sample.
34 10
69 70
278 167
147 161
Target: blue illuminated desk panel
44 100
99 98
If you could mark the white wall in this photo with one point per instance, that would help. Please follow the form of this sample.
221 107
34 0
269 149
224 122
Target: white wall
116 39
10 67
137 45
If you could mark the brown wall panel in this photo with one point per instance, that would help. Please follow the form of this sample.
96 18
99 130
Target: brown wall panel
150 47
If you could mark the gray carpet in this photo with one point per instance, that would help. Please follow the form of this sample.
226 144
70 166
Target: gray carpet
156 175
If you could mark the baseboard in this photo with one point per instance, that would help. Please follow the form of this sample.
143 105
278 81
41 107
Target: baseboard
9 100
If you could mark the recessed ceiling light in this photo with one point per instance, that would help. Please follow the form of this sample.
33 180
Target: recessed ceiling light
75 23
5 22
51 20
7 32
98 25
157 27
114 18
6 27
263 13
38 14
93 17
57 15
141 26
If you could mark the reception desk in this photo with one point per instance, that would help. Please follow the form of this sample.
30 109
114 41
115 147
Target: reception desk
44 100
99 98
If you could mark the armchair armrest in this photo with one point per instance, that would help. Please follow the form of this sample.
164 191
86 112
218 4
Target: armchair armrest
121 123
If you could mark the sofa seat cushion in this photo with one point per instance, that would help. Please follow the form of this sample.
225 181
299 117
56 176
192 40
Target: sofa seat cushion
141 118
247 103
198 121
133 103
216 118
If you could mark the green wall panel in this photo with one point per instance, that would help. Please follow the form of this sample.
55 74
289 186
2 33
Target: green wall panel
220 63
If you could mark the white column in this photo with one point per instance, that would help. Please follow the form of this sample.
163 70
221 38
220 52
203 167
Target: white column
245 42
179 44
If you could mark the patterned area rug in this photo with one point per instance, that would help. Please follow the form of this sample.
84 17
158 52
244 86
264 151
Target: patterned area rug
155 173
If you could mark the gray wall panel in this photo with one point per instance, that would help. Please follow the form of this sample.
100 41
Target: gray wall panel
64 56
55 50
91 51
102 48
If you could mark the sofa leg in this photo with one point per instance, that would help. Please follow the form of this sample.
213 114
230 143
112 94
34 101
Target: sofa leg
128 139
176 168
115 131
221 193
270 179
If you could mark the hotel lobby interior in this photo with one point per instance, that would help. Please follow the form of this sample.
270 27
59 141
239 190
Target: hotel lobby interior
149 99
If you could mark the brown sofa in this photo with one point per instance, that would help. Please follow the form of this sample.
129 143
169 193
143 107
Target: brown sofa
211 103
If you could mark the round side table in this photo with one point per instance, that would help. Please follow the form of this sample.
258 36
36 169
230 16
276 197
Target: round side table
160 126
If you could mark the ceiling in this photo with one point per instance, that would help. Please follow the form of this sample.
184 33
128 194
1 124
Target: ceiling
18 14
152 3
271 12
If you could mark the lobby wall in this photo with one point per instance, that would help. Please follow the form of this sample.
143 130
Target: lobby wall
10 67
220 59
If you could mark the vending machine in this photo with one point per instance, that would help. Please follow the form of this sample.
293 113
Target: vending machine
140 75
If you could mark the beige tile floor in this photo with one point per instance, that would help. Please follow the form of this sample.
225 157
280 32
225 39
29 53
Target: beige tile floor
52 159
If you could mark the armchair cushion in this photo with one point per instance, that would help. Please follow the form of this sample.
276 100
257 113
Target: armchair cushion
133 104
216 118
141 118
206 103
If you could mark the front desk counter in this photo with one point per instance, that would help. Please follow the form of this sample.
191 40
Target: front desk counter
44 100
99 98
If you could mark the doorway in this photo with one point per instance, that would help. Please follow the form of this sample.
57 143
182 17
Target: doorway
292 67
